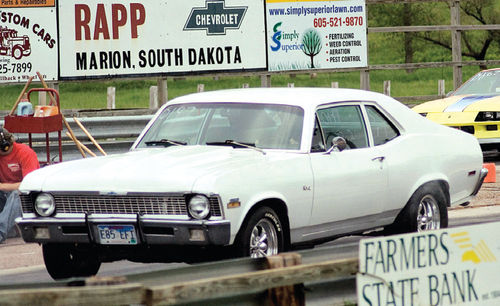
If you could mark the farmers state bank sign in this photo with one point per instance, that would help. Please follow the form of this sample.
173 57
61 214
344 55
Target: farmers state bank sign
444 267
124 38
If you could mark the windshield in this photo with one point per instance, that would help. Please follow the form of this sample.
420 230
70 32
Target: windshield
264 126
484 82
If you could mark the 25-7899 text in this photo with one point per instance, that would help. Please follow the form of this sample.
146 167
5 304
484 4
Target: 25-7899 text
15 67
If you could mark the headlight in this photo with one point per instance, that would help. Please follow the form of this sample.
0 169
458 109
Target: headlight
45 204
199 207
488 116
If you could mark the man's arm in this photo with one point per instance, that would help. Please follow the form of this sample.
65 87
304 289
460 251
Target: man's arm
9 186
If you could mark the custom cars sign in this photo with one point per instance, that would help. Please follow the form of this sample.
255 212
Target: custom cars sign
443 267
102 38
28 40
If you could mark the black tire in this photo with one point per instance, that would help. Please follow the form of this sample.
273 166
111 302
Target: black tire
426 210
64 261
263 223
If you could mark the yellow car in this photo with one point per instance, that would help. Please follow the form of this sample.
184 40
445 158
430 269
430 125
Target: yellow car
473 108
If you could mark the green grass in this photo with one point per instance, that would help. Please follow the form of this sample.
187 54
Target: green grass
135 93
384 48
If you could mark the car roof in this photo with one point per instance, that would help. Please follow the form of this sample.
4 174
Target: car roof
307 98
492 69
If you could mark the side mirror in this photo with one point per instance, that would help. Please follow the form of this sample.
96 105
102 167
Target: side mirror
338 144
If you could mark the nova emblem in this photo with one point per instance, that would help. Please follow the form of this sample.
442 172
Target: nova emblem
306 188
112 193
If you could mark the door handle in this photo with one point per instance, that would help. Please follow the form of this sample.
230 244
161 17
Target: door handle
379 158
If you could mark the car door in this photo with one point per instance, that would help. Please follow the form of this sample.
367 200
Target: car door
349 185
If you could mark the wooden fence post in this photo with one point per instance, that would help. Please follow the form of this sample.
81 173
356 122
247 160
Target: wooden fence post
364 78
54 85
441 88
201 87
246 85
265 80
291 85
162 90
287 295
42 98
456 43
153 97
111 97
387 88
334 85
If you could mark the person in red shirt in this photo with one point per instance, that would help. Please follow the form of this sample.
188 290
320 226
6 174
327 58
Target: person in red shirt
16 161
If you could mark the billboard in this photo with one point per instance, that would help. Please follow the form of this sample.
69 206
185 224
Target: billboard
28 40
102 38
321 34
441 267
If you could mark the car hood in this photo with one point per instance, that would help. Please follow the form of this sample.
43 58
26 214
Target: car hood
461 103
172 169
458 109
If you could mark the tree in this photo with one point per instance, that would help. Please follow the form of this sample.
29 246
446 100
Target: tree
475 44
312 44
405 14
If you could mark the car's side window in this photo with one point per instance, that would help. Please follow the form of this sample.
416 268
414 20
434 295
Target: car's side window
318 143
382 129
345 121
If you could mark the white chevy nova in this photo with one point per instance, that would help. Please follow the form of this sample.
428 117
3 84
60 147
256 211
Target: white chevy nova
251 172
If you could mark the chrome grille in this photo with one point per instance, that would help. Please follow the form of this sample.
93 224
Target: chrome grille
26 203
215 207
116 204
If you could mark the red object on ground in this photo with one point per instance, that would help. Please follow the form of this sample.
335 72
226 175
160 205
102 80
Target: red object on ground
492 173
31 124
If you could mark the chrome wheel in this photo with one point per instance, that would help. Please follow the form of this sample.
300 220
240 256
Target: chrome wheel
263 239
428 216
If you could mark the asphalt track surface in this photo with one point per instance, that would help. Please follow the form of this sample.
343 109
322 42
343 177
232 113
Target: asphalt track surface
22 262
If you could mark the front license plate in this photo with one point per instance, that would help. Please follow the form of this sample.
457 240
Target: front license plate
117 234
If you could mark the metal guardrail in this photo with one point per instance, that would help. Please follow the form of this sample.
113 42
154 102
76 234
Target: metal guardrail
115 134
325 276
115 131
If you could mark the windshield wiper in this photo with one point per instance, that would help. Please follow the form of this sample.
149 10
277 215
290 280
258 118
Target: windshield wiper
236 144
166 143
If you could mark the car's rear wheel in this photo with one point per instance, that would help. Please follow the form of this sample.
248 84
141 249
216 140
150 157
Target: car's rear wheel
261 235
428 214
426 210
64 261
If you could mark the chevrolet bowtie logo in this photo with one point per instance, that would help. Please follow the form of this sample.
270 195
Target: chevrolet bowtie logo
215 17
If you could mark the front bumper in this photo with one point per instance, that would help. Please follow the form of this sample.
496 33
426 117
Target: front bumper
482 176
488 140
150 231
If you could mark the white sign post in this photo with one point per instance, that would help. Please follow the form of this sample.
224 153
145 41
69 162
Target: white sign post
101 38
443 267
322 34
28 41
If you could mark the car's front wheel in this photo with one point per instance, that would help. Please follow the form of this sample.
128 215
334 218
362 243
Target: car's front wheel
261 235
426 210
64 261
